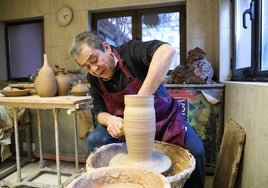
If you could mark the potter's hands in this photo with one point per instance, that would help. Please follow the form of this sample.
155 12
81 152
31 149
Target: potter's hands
115 126
113 123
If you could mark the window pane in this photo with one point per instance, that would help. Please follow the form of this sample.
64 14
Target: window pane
115 30
165 27
243 36
264 55
25 49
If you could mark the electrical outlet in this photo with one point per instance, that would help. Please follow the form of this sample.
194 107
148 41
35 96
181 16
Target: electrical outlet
33 146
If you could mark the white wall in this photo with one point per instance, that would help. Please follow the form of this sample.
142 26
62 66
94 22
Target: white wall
247 104
201 31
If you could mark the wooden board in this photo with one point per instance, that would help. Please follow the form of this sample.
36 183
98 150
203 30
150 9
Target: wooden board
22 85
229 155
35 101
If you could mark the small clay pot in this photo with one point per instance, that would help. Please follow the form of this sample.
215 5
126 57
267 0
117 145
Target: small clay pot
79 89
63 82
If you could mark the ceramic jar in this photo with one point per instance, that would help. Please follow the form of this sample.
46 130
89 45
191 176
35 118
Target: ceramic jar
63 82
139 126
46 83
79 89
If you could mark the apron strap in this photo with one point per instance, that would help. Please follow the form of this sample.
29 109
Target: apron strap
122 67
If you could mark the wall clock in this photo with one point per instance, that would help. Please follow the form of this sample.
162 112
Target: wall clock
64 16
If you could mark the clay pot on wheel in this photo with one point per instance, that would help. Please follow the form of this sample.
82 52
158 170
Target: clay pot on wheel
139 126
46 83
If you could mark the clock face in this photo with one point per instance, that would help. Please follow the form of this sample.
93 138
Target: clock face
64 16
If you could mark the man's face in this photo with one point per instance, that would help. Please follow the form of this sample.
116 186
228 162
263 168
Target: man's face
96 62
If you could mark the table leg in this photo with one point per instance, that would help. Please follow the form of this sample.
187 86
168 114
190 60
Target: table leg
55 113
29 142
76 143
15 119
41 164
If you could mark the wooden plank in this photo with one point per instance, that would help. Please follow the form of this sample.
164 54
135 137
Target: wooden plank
35 101
229 155
22 85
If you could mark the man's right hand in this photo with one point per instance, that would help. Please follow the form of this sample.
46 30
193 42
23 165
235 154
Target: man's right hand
115 126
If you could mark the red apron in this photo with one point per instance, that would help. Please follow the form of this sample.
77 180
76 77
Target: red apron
169 121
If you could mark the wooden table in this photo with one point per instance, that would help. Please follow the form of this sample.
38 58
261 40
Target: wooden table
73 104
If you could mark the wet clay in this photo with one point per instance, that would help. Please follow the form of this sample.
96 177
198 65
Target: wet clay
109 177
159 162
139 128
121 185
140 151
183 162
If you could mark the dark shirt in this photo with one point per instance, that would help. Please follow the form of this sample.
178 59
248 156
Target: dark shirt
136 57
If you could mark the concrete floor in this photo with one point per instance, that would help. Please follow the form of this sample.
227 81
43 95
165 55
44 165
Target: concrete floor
47 178
51 179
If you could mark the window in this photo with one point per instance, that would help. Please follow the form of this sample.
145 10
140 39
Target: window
250 40
24 41
165 23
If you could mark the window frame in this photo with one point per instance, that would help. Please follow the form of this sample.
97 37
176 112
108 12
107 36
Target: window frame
8 47
254 72
136 22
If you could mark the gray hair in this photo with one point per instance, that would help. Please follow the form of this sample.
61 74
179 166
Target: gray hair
90 38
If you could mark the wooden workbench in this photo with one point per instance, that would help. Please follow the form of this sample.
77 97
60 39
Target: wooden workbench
72 104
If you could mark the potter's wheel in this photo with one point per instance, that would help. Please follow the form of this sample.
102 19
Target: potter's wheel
183 162
159 162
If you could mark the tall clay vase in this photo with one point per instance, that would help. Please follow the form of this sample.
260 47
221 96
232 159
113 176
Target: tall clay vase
139 127
63 83
46 83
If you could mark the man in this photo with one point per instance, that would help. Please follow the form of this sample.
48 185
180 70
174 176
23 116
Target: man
135 67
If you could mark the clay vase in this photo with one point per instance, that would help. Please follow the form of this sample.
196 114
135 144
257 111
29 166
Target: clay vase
46 83
79 89
63 82
139 127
